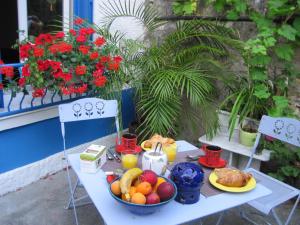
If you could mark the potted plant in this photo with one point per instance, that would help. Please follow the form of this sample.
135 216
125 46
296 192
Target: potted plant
175 77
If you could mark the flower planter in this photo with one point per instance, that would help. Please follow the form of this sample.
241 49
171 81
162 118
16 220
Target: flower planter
247 138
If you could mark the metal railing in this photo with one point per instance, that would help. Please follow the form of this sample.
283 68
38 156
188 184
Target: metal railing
16 104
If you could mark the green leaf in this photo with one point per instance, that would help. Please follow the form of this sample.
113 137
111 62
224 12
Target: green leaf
270 41
288 32
296 25
258 74
260 60
284 51
261 91
290 171
281 101
219 5
232 15
241 6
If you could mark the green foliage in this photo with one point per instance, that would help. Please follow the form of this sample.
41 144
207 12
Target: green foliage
186 7
287 159
272 49
175 78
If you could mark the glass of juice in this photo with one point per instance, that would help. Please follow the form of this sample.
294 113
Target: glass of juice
129 159
170 151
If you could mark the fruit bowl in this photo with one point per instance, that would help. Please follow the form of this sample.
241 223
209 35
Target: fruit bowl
144 209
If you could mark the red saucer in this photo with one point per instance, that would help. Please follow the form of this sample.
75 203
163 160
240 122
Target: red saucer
222 163
121 148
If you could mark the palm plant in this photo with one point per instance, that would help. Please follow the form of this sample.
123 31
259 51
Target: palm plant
176 77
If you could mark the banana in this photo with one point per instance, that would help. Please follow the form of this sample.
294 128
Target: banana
126 180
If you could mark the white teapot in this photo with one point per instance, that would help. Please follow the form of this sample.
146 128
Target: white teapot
156 161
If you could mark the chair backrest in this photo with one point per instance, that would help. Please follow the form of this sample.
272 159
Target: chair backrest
283 129
87 109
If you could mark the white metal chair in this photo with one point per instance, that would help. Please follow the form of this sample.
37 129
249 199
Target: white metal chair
287 130
84 109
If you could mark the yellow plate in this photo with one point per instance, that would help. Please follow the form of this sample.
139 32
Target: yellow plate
148 149
250 185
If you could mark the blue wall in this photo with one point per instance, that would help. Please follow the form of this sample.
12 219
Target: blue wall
33 142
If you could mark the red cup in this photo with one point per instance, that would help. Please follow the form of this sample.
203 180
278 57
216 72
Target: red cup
129 141
212 154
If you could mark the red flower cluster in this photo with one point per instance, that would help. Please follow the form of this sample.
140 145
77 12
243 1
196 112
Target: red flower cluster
43 39
39 92
100 41
84 49
80 70
24 50
38 52
61 47
1 86
66 61
7 71
94 55
25 71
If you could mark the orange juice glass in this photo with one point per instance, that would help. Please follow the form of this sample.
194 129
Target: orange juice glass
129 159
171 152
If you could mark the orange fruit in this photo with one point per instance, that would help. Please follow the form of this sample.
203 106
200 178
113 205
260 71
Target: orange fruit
136 182
144 188
159 181
138 198
124 198
115 188
132 191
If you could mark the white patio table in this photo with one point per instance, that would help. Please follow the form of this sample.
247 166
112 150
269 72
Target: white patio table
173 213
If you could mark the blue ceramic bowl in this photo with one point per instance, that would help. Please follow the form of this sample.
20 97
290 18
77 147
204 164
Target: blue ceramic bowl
144 209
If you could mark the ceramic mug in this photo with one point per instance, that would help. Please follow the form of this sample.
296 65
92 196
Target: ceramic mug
155 161
212 154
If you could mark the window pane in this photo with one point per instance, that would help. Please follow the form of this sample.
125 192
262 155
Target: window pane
42 14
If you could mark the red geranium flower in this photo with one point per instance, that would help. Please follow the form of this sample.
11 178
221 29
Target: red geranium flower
39 92
84 49
99 66
38 52
81 89
43 39
43 65
113 66
67 77
72 32
57 74
94 55
78 21
65 91
118 59
55 65
81 38
104 59
90 31
60 34
25 71
8 71
100 41
98 73
80 70
22 82
100 81
24 50
1 86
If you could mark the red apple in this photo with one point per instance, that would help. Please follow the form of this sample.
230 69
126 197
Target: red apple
149 176
165 191
152 198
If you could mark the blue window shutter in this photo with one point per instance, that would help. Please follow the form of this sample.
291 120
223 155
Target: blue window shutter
84 9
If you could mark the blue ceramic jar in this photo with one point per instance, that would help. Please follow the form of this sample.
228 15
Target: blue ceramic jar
188 178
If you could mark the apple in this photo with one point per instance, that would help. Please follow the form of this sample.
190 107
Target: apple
149 176
152 198
165 191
